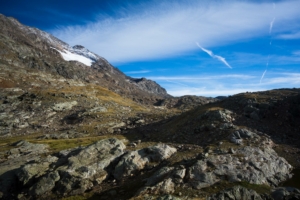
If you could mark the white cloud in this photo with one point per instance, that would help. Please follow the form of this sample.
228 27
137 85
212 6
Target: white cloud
214 56
168 29
211 93
227 84
289 36
296 53
138 72
202 77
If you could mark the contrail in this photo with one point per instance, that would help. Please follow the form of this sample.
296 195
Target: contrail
214 56
270 32
263 76
271 25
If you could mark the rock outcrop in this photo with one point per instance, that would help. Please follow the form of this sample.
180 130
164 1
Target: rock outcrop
74 171
250 164
134 161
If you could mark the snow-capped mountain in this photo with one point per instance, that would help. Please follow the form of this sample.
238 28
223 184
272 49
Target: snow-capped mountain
75 53
40 50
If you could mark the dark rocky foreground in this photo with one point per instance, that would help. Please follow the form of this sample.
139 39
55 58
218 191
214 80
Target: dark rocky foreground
240 157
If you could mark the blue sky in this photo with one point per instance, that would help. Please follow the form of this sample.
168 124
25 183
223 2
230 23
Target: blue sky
205 48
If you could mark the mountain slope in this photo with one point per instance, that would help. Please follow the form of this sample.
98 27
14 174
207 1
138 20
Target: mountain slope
29 47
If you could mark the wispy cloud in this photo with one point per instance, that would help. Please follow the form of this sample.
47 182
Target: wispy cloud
138 72
161 29
212 93
289 36
214 56
203 85
203 77
296 53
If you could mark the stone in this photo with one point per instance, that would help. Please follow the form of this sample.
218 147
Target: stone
140 121
159 175
64 106
231 150
136 160
34 170
98 109
76 170
244 133
257 166
166 186
238 136
237 192
24 147
218 115
45 184
89 165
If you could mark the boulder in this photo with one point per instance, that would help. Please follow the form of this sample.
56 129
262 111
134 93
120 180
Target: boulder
23 147
219 115
89 165
238 136
251 164
34 170
199 177
136 160
45 184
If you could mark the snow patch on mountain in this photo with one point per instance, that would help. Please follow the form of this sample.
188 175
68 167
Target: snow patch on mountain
81 50
69 56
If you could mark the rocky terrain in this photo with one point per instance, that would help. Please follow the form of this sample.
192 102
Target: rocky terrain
72 131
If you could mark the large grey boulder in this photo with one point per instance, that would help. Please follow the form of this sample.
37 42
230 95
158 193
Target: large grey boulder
136 160
237 192
88 166
251 164
34 170
45 184
74 172
14 167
